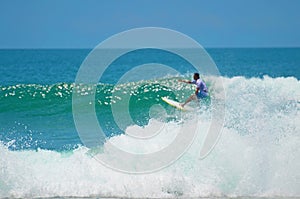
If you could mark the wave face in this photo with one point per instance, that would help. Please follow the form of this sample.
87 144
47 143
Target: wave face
257 154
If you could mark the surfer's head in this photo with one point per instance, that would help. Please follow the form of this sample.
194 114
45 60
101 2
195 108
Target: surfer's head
196 76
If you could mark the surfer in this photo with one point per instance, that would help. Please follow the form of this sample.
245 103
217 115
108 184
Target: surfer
201 89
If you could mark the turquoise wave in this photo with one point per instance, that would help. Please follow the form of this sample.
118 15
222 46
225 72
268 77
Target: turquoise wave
40 116
45 111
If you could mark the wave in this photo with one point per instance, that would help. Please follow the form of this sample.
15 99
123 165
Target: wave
36 110
257 154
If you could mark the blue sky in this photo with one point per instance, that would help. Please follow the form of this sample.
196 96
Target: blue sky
85 23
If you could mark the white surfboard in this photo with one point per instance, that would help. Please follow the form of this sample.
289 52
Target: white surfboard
176 104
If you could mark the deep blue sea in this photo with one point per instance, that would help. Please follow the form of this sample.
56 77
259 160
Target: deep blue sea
257 154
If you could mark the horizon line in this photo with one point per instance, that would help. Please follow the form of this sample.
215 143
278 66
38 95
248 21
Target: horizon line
89 48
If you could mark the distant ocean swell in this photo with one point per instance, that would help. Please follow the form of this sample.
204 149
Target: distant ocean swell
257 155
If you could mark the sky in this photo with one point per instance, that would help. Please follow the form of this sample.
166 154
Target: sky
86 23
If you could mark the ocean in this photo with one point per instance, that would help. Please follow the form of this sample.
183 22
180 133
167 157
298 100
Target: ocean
257 153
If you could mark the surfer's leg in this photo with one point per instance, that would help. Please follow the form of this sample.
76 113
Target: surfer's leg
192 97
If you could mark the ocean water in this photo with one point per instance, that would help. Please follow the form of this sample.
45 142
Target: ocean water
257 154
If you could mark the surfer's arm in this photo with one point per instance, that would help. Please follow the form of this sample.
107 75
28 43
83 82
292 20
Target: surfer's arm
185 81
